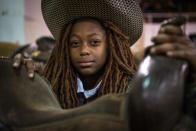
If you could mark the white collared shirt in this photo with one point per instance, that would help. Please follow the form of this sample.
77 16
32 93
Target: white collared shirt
87 93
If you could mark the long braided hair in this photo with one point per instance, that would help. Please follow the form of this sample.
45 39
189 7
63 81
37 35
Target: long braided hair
119 68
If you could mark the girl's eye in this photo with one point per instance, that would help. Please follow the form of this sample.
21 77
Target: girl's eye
75 43
95 42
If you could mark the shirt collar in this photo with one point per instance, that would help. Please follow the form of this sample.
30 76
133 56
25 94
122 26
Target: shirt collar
87 93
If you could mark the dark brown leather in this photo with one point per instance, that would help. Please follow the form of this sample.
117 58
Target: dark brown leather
156 97
154 102
29 104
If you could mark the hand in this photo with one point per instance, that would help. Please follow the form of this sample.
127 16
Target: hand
31 66
174 43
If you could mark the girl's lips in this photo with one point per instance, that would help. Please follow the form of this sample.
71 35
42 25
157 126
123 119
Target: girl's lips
86 63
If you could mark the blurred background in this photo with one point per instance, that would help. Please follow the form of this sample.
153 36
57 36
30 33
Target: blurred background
21 24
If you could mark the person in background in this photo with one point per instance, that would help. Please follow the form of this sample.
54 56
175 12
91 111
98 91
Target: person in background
39 52
45 46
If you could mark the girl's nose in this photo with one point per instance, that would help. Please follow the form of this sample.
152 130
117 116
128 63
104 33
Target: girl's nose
84 49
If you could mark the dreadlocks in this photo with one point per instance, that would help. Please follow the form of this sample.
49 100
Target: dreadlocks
118 71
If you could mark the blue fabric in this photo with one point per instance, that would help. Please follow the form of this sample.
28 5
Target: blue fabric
87 93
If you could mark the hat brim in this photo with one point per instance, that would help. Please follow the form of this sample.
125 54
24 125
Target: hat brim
126 14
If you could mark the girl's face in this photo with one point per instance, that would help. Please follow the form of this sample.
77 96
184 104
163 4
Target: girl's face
88 48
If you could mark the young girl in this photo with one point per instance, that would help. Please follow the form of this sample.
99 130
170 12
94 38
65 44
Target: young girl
91 58
92 55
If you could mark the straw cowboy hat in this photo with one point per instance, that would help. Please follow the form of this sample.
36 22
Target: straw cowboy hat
126 14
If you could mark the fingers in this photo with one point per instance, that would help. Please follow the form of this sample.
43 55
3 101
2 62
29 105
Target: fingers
167 47
187 54
172 42
170 34
17 60
179 54
171 30
30 67
164 38
175 50
38 68
33 67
